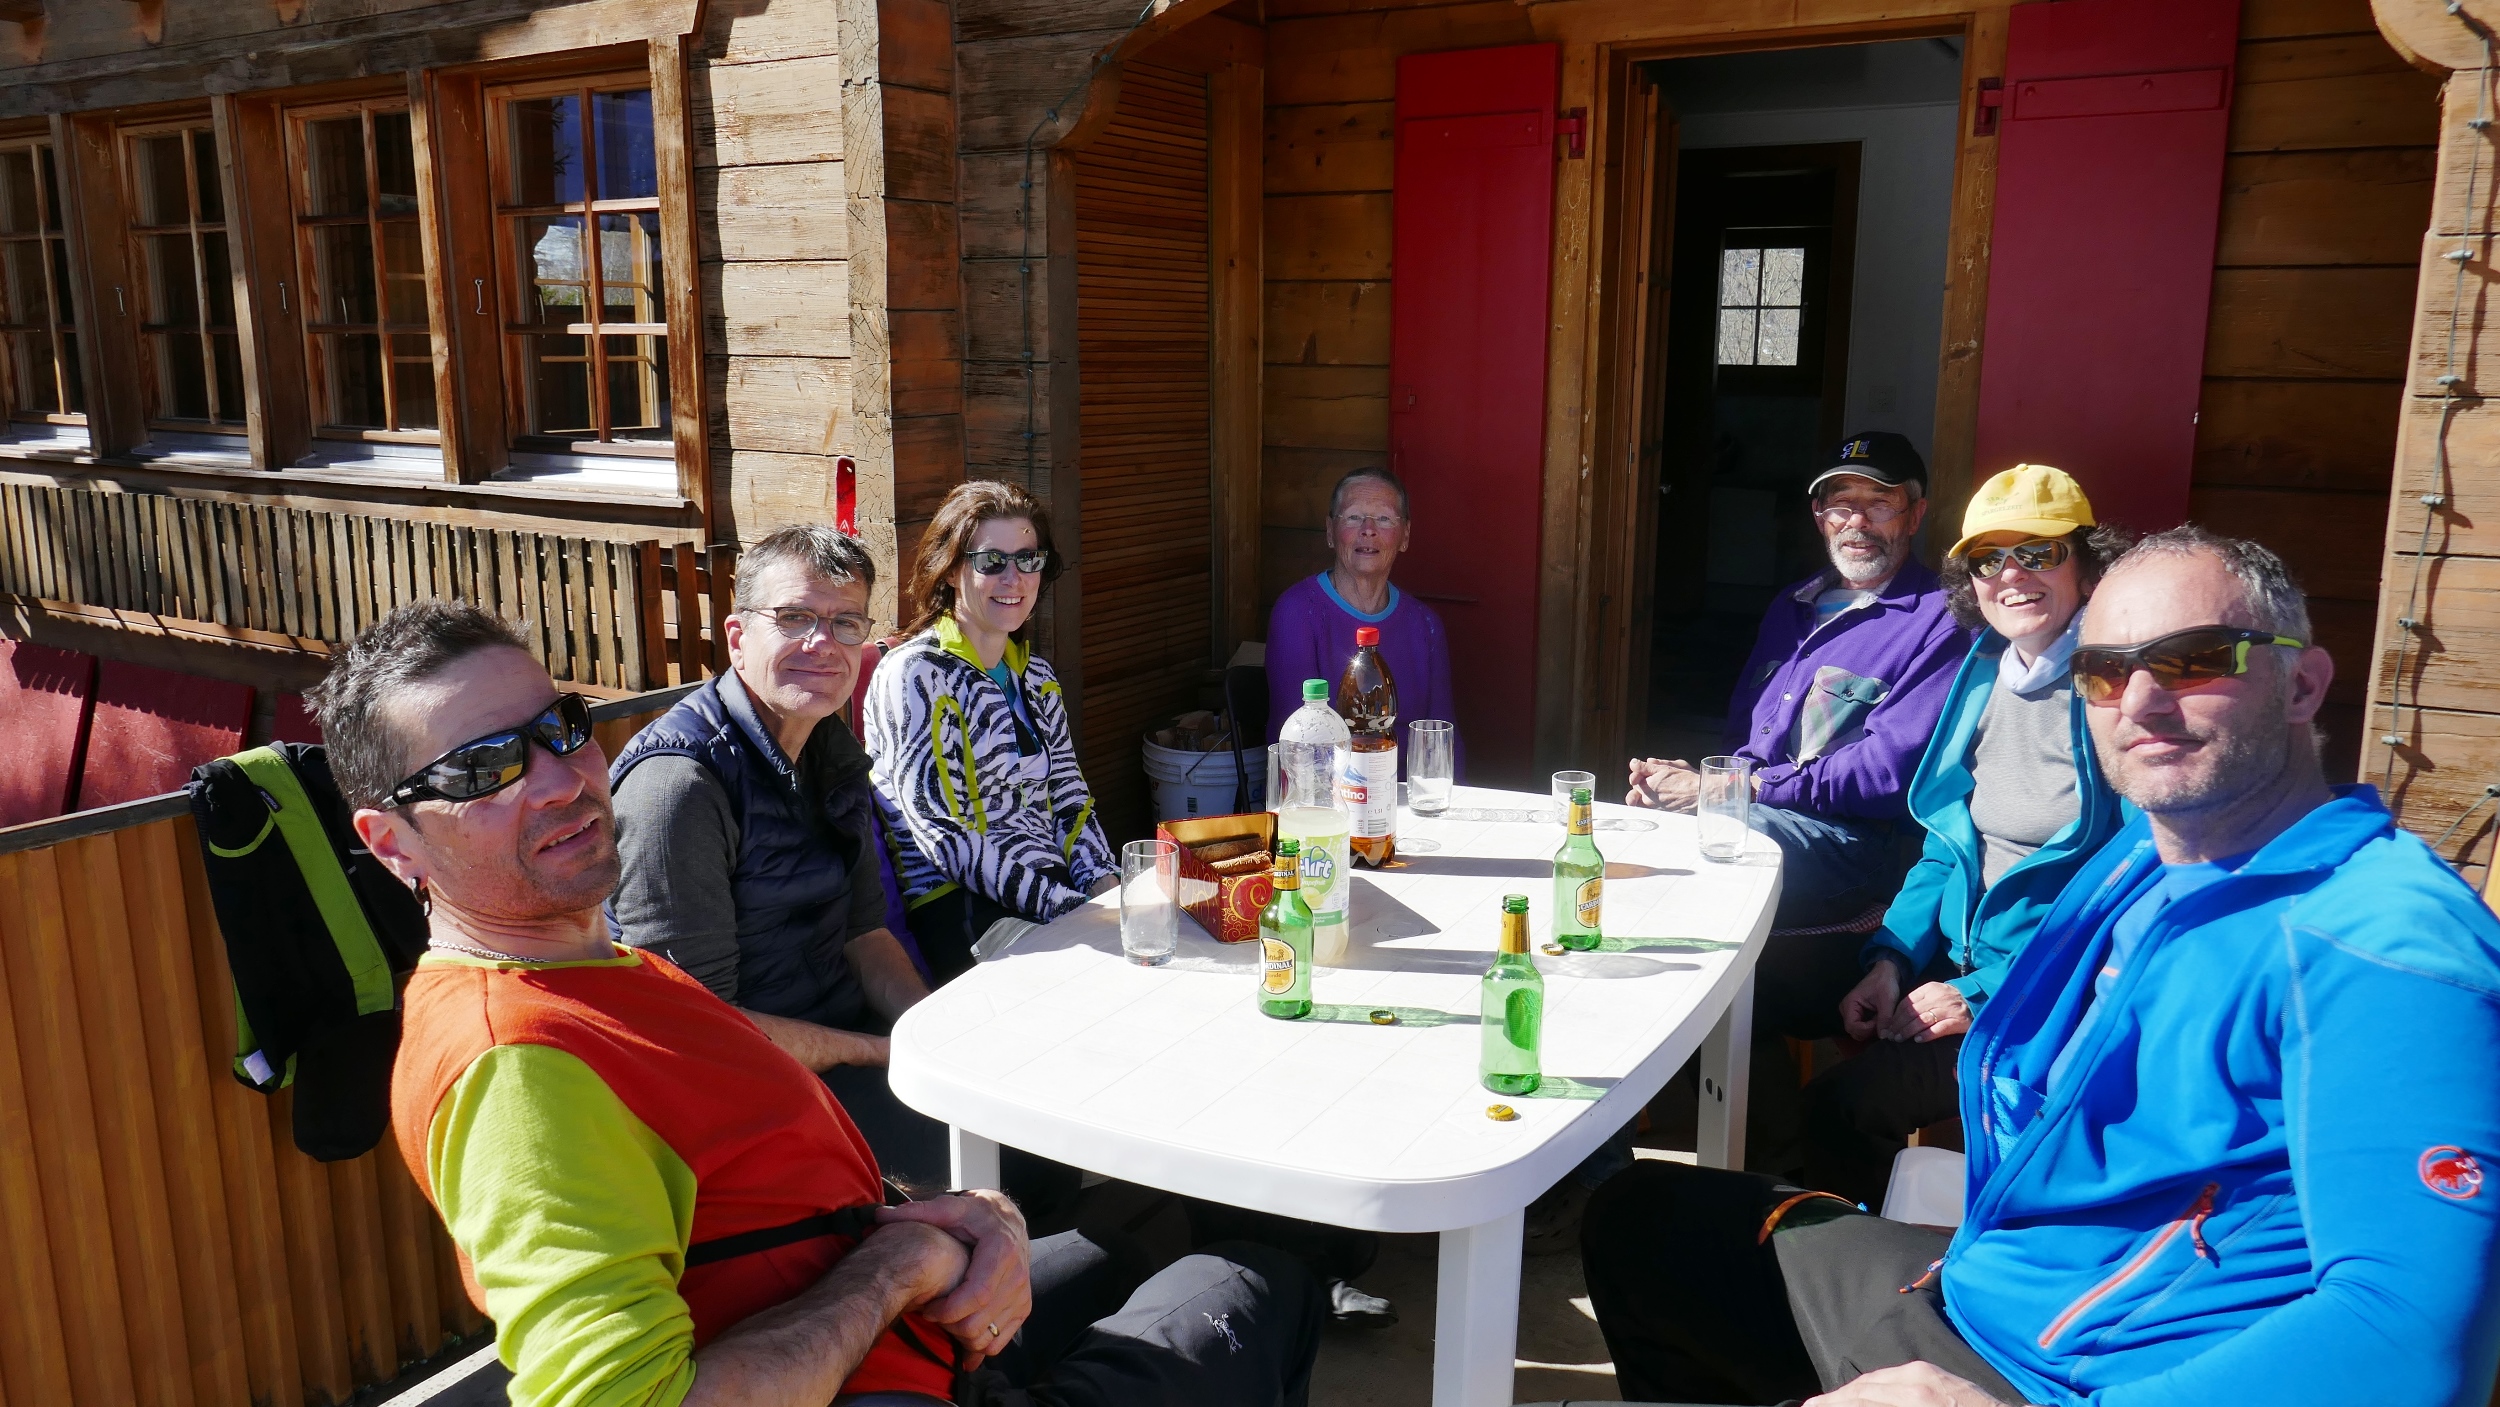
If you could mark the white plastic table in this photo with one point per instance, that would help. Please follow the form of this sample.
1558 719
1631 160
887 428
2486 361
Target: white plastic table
1170 1076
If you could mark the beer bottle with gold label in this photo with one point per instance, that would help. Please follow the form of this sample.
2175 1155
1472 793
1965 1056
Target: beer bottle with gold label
1579 880
1513 1010
1285 941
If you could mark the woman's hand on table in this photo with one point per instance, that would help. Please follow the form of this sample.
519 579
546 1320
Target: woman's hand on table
1929 1013
995 1295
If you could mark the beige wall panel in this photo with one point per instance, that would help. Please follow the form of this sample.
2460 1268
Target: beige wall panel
1328 236
1336 323
761 491
794 310
765 113
790 405
1328 407
2328 207
2455 659
1330 147
2297 434
2344 91
761 31
777 214
2323 322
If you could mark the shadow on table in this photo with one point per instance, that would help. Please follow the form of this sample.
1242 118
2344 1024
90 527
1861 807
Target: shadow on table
1379 919
1565 1087
1500 867
1611 944
1395 1016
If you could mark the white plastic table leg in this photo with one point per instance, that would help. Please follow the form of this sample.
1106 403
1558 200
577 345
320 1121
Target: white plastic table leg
975 1158
1726 1072
1475 1333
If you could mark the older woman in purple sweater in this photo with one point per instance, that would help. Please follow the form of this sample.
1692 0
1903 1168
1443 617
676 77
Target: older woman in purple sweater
1310 634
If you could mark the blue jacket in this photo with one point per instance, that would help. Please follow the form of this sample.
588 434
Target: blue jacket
2261 1178
1941 906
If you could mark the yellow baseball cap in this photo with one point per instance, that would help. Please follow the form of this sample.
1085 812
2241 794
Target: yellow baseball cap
2028 498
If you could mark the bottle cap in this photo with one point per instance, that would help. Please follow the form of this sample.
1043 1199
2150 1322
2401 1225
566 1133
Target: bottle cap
1315 691
1514 903
1580 797
1289 847
1366 635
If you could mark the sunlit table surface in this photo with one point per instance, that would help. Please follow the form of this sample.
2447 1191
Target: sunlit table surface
1170 1077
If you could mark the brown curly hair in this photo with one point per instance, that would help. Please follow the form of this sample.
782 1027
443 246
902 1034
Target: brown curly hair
2095 549
949 537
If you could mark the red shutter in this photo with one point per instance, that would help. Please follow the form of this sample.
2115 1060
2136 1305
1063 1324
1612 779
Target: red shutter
2109 184
46 697
152 726
1469 269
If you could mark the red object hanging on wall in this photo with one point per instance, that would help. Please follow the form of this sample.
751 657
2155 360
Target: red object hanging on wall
1470 262
46 697
2100 270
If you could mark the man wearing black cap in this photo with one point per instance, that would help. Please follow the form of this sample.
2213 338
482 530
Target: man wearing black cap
1847 680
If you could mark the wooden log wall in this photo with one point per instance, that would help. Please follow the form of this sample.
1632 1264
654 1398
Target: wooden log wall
1142 318
2326 192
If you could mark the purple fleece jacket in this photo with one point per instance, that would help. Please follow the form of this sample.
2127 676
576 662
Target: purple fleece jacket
1835 719
1310 635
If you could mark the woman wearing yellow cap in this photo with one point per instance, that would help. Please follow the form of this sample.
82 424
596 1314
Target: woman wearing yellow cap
2013 802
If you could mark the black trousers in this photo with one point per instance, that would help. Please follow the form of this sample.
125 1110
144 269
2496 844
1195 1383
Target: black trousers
1860 1113
947 926
1695 1309
1235 1325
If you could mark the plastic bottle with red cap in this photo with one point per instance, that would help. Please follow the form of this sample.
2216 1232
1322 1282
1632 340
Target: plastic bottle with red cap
1367 698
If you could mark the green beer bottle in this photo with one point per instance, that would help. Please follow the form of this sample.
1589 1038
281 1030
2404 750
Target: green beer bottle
1579 880
1285 940
1514 1009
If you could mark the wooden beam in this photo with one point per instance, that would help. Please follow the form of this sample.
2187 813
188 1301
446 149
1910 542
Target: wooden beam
2432 39
1236 123
1950 473
673 147
101 280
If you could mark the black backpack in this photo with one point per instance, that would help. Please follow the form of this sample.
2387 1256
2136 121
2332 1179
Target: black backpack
318 936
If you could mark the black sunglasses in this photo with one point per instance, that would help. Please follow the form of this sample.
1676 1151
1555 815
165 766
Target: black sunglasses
2041 554
2181 660
989 561
484 766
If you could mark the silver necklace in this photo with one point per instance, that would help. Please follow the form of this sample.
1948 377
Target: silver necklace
487 953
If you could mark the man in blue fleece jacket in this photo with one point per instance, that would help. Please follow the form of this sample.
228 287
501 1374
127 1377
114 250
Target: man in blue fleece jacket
2230 1115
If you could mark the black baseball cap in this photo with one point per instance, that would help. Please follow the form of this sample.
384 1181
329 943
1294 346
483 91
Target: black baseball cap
1887 458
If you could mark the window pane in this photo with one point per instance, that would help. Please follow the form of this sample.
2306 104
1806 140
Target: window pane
546 151
51 190
217 279
628 169
555 287
1740 277
164 198
181 375
30 365
22 300
334 166
629 268
71 377
1783 278
1735 337
412 381
64 306
343 274
1779 337
403 263
173 295
395 163
212 195
19 213
558 373
351 364
637 385
228 349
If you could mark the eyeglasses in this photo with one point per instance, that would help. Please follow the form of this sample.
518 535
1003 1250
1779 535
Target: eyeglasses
989 561
484 766
2179 661
1377 522
2041 554
1880 512
796 624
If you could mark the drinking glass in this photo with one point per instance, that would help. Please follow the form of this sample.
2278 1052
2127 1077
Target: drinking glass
1430 760
1150 873
1275 776
1564 784
1725 802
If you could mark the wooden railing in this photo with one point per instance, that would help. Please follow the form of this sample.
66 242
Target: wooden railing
161 1239
595 612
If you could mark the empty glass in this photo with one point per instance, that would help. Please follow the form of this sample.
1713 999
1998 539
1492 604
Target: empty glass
1431 759
1725 802
1150 873
1564 784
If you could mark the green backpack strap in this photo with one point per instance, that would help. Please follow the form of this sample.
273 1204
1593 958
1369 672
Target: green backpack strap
359 951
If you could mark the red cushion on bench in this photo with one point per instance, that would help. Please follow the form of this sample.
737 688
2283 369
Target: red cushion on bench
152 726
46 696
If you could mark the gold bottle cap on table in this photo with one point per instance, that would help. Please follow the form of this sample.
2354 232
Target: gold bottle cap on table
1383 1016
1500 1113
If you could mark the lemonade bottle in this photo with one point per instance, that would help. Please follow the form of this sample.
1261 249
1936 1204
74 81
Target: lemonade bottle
1310 751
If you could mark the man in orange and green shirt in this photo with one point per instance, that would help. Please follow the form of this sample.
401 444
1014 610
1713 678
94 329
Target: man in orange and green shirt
653 1203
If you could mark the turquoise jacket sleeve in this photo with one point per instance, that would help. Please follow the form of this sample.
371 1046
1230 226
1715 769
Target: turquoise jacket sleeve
1914 926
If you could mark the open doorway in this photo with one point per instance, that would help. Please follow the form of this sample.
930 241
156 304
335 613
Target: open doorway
1812 198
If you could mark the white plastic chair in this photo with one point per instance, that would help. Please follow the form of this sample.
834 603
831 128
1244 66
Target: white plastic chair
1926 1187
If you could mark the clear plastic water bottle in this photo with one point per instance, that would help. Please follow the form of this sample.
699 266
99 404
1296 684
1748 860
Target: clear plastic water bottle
1310 751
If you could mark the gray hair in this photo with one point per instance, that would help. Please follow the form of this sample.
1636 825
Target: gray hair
2272 598
1370 473
821 551
367 755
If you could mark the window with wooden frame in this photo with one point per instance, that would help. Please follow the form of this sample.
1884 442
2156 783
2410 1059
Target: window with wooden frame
40 380
189 344
362 276
579 245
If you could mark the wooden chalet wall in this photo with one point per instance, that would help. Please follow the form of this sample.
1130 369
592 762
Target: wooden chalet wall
2326 192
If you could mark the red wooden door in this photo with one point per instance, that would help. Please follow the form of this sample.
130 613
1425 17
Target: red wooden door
1469 264
2109 185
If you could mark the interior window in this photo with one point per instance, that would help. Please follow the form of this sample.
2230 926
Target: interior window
362 273
38 325
188 337
1761 305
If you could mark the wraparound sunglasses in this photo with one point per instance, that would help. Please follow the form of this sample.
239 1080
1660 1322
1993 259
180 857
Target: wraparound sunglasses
2181 660
484 766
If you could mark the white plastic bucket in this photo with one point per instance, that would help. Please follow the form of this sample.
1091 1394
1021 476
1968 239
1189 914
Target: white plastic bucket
1190 784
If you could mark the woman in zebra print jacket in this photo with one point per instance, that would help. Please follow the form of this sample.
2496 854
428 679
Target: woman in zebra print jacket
986 814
